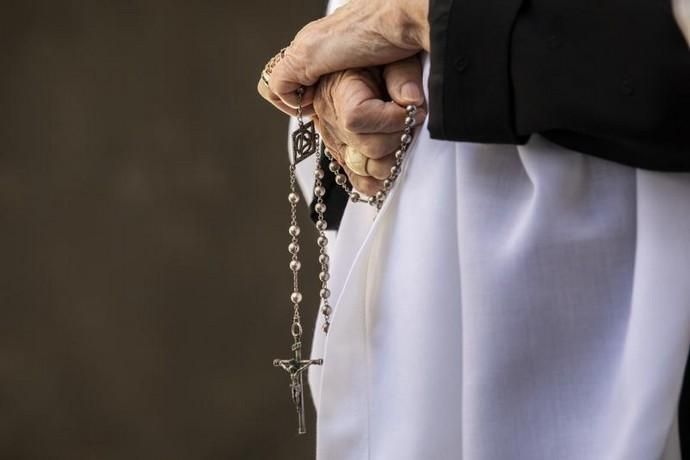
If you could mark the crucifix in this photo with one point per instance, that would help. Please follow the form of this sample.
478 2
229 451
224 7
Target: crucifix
295 367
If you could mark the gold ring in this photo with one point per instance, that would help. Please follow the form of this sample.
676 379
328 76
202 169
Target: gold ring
265 77
268 68
356 161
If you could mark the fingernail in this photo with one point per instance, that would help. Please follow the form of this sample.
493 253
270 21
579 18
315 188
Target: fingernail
411 92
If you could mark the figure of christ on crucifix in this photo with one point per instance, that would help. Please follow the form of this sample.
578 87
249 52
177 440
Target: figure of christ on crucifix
295 367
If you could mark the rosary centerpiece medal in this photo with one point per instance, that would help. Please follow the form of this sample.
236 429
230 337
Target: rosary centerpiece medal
306 142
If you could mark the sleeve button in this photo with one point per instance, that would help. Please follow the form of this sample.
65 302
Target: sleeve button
627 88
461 64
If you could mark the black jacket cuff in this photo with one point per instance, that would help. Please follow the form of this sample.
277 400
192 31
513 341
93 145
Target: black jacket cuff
469 84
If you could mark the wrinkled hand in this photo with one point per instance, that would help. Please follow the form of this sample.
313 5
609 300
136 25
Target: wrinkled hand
352 110
361 34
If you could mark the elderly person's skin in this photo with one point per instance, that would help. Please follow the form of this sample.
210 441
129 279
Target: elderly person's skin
351 111
681 10
363 33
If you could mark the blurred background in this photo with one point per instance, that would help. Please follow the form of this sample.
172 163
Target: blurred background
143 232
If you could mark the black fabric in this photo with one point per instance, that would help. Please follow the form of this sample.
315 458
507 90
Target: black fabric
684 414
335 198
605 78
469 83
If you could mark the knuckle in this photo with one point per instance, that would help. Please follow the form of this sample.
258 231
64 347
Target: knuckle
305 44
353 121
375 147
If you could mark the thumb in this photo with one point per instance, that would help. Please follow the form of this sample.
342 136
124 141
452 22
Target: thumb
404 81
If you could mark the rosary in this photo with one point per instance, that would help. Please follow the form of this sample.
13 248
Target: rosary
306 142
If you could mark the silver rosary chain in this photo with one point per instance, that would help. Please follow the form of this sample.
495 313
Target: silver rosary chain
379 197
306 142
375 200
322 242
295 264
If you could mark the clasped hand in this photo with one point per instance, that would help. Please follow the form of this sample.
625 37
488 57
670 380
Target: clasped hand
360 68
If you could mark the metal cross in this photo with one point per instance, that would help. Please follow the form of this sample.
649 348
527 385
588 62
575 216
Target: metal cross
295 367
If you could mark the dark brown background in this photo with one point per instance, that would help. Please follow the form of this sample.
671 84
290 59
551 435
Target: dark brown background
143 264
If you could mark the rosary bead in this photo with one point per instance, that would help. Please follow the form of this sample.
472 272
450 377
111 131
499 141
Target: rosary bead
323 259
321 225
325 327
294 230
409 121
395 170
322 241
293 198
296 297
334 166
411 110
319 191
372 200
326 309
295 265
293 248
387 184
320 208
324 276
399 154
354 196
406 138
380 195
318 173
340 179
325 293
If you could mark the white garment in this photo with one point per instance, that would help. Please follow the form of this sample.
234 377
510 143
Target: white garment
507 303
681 10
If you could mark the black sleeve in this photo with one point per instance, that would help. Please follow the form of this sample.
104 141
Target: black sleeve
610 78
469 84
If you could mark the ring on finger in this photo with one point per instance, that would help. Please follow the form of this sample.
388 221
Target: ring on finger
268 68
265 77
356 161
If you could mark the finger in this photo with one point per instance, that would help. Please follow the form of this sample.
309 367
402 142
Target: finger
333 145
357 98
377 116
323 97
381 169
288 76
404 81
374 146
271 97
335 97
342 40
364 184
